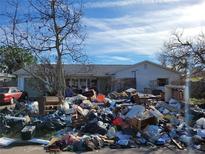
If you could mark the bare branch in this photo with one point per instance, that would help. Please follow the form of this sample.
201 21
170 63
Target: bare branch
177 50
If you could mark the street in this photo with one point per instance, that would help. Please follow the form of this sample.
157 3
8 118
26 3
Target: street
139 150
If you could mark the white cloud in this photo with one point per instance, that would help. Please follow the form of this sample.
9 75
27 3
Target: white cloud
127 40
95 23
121 3
115 59
119 58
144 34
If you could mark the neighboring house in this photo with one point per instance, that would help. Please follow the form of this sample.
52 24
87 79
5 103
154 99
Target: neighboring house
142 76
7 79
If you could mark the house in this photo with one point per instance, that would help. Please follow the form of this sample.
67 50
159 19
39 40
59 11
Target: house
6 79
142 76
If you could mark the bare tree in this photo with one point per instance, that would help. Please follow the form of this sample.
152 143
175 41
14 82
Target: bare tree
12 55
179 51
52 30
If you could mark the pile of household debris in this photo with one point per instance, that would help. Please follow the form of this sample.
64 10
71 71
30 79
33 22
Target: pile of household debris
121 120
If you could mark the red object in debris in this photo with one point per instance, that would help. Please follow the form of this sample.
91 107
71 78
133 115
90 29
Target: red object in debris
69 139
117 122
8 94
100 98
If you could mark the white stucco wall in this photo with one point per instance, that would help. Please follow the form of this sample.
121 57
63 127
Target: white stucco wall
128 73
147 72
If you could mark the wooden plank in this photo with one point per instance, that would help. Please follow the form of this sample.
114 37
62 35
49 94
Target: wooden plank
140 124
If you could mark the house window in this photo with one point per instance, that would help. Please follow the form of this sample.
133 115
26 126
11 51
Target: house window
83 83
162 81
93 83
74 83
68 83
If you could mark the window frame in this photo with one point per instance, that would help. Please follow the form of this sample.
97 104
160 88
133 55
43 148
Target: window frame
162 83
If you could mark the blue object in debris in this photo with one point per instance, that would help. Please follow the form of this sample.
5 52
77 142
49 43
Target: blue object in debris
163 139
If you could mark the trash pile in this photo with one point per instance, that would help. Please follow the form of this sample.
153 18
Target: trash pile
88 122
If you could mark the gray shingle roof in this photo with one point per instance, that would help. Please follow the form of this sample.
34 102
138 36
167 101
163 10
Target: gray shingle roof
85 70
97 70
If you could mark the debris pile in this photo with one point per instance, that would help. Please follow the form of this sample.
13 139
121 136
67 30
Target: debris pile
89 122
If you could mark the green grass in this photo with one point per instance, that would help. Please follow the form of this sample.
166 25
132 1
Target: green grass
197 101
39 134
196 79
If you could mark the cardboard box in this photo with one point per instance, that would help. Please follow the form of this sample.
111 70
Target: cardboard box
140 124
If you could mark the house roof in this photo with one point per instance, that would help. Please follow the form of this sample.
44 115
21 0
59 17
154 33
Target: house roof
152 63
95 70
92 69
23 71
83 69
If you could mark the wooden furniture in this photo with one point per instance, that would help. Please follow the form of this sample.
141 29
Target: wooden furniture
140 124
49 104
174 91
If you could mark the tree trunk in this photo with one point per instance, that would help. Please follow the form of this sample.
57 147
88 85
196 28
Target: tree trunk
60 79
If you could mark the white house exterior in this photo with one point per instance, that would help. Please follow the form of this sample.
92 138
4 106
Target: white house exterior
148 75
142 76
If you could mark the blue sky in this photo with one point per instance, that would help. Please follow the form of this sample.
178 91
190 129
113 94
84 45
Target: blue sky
129 31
